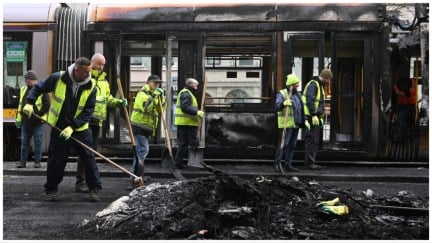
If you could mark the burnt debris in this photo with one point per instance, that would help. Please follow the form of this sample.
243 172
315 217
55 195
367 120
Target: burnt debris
224 207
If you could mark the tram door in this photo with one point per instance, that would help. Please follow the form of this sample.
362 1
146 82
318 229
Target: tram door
347 103
351 88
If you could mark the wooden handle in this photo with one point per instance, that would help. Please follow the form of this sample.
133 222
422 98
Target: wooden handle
126 112
167 136
92 150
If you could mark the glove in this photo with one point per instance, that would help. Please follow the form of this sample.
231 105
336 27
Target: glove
18 124
315 121
28 110
307 125
287 103
66 133
200 114
338 210
159 91
101 99
329 203
122 103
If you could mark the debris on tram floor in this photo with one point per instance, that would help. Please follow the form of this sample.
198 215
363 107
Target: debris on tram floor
226 207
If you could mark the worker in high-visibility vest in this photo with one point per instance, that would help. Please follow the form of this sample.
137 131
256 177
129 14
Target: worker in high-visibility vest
103 100
31 126
313 100
73 102
187 115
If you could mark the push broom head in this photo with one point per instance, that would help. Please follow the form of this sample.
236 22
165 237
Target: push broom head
138 182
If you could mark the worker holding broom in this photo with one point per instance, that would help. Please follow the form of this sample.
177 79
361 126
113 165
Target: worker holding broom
145 115
73 103
289 107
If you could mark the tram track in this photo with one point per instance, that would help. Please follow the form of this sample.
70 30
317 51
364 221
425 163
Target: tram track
342 171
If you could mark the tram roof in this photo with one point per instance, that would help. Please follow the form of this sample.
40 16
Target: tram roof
215 11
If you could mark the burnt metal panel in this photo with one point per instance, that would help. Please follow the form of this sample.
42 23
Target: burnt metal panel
243 13
226 12
329 12
130 13
234 26
240 130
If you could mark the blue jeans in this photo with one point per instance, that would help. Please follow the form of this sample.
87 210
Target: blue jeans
59 151
27 132
142 150
289 145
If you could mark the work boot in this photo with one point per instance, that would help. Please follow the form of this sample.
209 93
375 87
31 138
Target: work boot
291 168
314 167
21 164
51 197
37 164
81 187
93 197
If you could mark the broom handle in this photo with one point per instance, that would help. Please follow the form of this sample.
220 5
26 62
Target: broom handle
126 112
91 149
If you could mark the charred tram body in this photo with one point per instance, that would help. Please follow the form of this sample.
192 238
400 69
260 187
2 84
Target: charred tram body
244 52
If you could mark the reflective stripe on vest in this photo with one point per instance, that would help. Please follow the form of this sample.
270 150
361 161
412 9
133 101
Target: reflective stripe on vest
281 114
182 118
144 117
59 98
320 91
38 103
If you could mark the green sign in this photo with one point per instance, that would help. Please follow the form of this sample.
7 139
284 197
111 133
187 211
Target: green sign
16 51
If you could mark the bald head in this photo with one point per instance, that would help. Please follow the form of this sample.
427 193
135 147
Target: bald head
98 62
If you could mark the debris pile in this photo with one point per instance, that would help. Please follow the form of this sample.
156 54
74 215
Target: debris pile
225 207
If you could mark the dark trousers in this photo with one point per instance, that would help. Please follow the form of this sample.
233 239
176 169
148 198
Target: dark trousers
80 177
289 145
186 138
58 154
312 139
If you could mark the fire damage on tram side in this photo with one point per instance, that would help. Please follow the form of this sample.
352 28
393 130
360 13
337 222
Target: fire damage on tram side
244 53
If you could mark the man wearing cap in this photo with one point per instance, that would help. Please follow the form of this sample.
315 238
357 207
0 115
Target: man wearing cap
31 126
289 100
313 99
145 115
103 99
186 119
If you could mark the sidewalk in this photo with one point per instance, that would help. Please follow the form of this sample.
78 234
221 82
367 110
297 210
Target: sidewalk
418 174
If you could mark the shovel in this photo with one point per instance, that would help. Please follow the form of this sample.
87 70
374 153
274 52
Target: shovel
195 158
174 170
282 143
139 165
138 181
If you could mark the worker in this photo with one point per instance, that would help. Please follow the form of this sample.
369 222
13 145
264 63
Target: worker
74 98
103 99
145 116
291 102
406 92
31 127
313 100
186 119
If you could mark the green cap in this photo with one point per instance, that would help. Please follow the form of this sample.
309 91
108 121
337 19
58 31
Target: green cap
292 79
